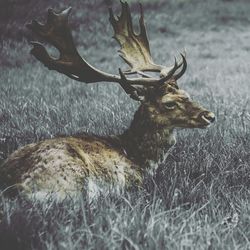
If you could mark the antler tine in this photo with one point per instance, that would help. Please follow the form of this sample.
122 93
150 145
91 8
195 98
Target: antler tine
167 70
184 67
170 73
133 92
143 28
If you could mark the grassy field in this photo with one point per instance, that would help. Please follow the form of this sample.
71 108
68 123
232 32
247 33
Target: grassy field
199 199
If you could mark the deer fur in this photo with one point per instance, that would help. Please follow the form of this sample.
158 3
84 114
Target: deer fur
70 165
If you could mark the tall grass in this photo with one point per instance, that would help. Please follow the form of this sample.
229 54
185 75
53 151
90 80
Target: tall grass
199 198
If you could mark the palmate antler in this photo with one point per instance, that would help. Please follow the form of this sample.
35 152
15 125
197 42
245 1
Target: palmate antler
134 48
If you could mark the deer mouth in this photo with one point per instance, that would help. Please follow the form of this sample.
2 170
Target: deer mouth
207 122
207 119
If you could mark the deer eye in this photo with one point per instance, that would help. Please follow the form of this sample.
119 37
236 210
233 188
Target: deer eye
170 105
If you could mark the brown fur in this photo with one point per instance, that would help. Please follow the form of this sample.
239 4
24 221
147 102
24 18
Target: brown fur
63 164
69 165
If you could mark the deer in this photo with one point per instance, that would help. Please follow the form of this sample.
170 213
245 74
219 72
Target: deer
69 165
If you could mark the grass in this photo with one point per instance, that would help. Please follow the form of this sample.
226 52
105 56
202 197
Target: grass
199 199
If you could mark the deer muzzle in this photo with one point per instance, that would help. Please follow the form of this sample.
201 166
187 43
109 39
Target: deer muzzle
207 118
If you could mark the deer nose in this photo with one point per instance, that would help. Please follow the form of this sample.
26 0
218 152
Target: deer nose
208 116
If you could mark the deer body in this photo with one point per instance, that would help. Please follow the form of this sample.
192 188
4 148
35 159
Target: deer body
70 165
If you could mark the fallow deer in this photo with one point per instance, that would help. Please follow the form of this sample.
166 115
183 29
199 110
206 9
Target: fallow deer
68 165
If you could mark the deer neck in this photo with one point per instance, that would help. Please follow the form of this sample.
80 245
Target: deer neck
144 141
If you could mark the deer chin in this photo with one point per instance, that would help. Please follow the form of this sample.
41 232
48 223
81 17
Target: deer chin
201 123
205 126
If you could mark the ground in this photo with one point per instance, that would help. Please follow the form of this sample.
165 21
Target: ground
199 199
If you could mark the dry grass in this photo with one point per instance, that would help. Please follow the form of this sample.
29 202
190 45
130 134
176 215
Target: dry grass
199 199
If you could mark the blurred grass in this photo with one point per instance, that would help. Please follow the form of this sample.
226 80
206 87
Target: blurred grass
199 199
171 14
123 223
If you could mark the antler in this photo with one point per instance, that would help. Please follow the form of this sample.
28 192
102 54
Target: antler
56 32
135 50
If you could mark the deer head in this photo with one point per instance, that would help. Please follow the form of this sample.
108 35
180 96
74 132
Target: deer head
162 100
